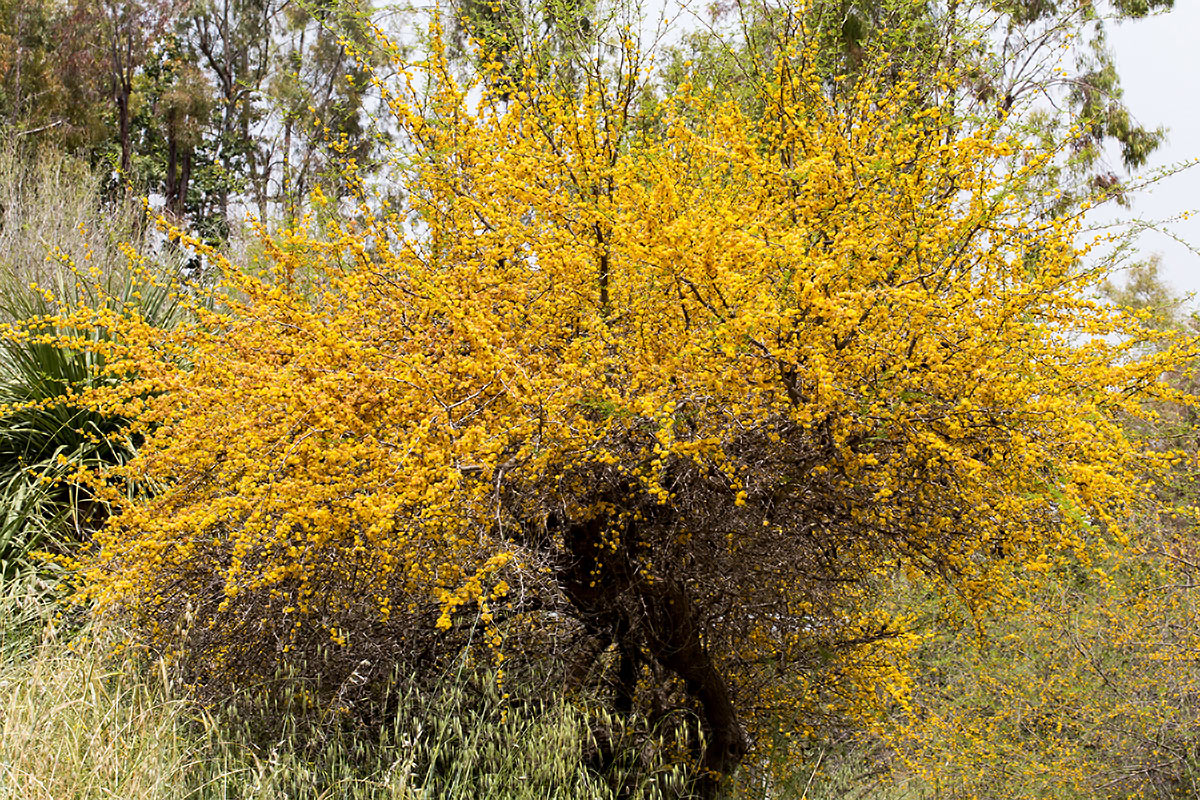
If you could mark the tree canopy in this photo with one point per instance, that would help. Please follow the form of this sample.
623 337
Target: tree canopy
653 406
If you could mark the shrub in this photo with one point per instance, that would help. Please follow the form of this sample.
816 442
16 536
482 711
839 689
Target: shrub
655 408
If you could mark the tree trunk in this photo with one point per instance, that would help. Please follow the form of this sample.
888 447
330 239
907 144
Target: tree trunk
123 125
185 177
614 600
674 641
172 170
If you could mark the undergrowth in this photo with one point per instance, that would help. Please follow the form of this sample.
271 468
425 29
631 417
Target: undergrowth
80 718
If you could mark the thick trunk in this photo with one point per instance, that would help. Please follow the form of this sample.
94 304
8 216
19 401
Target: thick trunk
673 638
613 600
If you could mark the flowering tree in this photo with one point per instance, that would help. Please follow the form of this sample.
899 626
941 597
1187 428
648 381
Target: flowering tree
657 402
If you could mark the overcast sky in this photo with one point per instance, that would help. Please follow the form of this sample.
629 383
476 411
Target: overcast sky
1158 60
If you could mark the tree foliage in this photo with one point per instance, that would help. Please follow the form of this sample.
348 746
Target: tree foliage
658 408
210 103
1047 62
50 79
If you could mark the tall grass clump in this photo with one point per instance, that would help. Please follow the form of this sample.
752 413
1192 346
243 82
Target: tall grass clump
81 718
62 243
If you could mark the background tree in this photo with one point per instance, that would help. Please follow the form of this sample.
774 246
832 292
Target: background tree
128 32
173 117
211 103
51 84
236 42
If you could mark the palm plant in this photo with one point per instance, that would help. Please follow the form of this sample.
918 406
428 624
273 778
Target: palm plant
52 217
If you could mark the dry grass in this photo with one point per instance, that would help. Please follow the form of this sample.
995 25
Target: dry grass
80 723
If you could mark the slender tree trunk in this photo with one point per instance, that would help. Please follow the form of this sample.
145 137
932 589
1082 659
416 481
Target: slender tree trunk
185 176
172 169
123 126
285 184
18 98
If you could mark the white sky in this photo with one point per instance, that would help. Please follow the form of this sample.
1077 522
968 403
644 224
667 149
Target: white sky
1158 60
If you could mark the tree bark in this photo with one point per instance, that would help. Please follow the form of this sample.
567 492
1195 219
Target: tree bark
123 127
613 599
674 641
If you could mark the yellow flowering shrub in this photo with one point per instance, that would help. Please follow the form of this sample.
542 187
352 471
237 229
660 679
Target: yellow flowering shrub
1090 688
658 403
